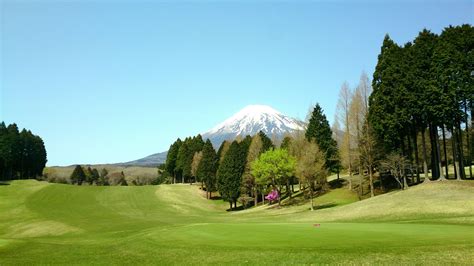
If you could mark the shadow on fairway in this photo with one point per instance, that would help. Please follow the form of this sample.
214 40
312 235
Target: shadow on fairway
326 205
4 184
235 209
216 198
336 183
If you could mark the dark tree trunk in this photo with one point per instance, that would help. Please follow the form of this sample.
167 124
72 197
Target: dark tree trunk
438 155
425 156
445 153
453 146
402 145
468 140
288 191
417 159
255 194
410 149
371 181
434 162
460 152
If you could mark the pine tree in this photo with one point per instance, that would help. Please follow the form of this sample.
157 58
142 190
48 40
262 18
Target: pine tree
266 141
78 176
320 131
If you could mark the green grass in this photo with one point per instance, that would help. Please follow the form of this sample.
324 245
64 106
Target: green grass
42 223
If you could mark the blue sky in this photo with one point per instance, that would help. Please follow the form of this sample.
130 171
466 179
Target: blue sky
106 82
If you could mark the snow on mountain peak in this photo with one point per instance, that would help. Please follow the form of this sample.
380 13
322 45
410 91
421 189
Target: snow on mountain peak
252 119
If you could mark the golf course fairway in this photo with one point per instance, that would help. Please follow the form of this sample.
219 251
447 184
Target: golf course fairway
45 223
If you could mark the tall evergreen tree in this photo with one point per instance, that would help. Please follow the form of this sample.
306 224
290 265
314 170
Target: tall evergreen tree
320 131
267 143
207 168
422 94
230 173
171 159
183 161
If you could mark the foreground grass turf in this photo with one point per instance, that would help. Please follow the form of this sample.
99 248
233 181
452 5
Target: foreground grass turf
173 224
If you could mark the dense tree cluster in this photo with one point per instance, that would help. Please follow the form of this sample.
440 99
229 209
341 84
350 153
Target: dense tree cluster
423 90
22 154
227 171
81 175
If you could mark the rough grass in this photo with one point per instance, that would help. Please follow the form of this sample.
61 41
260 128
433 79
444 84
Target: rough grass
43 223
130 172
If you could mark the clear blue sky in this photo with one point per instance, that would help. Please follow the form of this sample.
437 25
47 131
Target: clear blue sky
106 82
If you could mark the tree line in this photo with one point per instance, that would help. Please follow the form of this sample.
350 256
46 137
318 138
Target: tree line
422 90
246 168
22 154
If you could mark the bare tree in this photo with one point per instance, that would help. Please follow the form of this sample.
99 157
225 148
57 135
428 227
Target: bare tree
396 164
342 117
310 167
195 163
248 180
368 153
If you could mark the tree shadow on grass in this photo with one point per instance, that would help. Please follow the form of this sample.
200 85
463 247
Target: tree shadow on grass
326 205
216 198
4 183
336 183
239 208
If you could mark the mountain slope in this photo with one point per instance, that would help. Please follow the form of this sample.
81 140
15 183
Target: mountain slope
151 160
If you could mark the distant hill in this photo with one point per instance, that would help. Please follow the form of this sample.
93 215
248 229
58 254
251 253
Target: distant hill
149 161
248 121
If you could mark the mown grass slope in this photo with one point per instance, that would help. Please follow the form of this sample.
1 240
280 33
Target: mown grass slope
174 224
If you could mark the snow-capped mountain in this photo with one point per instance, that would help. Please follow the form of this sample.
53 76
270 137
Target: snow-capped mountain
249 121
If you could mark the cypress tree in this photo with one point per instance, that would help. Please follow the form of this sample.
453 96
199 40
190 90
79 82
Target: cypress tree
207 168
230 173
171 159
183 166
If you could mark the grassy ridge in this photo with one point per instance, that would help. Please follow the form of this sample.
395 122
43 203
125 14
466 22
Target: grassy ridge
175 224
